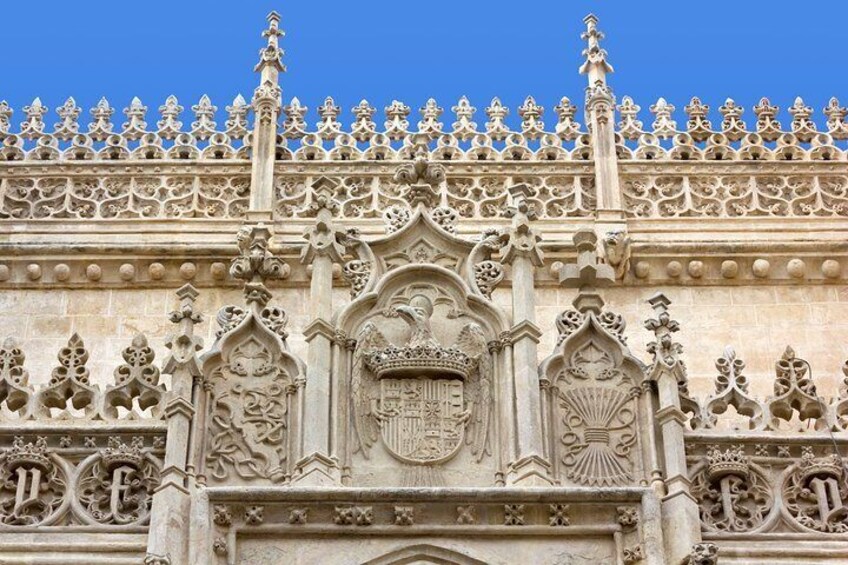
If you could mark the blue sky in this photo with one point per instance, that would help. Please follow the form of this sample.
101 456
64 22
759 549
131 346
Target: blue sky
382 50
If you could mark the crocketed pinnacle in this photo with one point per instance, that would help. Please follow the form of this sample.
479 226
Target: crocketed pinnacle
272 54
595 65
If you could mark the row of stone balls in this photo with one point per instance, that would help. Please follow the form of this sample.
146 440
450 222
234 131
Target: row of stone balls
730 269
126 272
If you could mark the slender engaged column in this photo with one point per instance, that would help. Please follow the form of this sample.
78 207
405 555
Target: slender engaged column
529 466
319 466
680 516
172 501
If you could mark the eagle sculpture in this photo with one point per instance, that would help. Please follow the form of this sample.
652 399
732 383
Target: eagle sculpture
465 366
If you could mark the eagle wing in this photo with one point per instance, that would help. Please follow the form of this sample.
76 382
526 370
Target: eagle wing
472 342
369 339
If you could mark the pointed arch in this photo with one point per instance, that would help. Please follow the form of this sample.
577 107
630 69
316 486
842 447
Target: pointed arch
424 554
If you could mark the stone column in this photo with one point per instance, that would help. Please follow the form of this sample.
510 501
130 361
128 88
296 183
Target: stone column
319 466
266 107
522 251
171 503
680 517
600 119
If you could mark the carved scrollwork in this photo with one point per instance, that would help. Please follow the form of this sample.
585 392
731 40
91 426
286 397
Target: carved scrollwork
732 495
488 274
396 217
229 317
446 218
357 272
32 485
570 320
816 494
116 486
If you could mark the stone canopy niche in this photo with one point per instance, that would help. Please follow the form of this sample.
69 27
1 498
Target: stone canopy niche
421 378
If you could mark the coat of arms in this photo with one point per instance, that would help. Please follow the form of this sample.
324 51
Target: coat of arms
423 399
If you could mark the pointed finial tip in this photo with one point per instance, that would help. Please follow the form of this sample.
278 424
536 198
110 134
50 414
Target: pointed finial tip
590 18
273 16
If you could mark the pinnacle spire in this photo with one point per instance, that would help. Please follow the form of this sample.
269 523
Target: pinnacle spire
595 65
271 54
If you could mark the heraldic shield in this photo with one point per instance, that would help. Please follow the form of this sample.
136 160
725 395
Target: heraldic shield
423 399
423 419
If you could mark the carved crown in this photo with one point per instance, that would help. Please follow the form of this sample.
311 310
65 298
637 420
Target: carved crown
724 463
828 467
420 359
28 454
119 454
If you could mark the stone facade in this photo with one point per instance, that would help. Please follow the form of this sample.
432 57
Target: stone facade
274 341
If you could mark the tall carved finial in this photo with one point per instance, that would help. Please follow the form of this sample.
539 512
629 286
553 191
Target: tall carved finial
267 100
667 353
588 273
595 65
184 344
272 54
665 350
255 264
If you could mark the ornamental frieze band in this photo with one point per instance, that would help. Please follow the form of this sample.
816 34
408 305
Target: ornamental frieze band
261 335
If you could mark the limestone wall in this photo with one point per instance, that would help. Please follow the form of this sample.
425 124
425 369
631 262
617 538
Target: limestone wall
758 322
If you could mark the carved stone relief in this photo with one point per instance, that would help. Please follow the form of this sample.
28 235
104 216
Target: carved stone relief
733 495
595 382
424 400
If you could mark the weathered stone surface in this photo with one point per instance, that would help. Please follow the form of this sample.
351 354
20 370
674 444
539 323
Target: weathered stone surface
462 340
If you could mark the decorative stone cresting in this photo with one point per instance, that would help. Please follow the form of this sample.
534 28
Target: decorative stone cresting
375 396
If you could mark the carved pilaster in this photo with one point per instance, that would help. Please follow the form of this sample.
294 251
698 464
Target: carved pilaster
522 251
679 510
168 524
319 465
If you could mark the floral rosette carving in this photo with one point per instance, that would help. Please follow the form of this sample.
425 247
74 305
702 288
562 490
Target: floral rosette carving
117 486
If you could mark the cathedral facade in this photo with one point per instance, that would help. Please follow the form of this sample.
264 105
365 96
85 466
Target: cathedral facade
587 340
